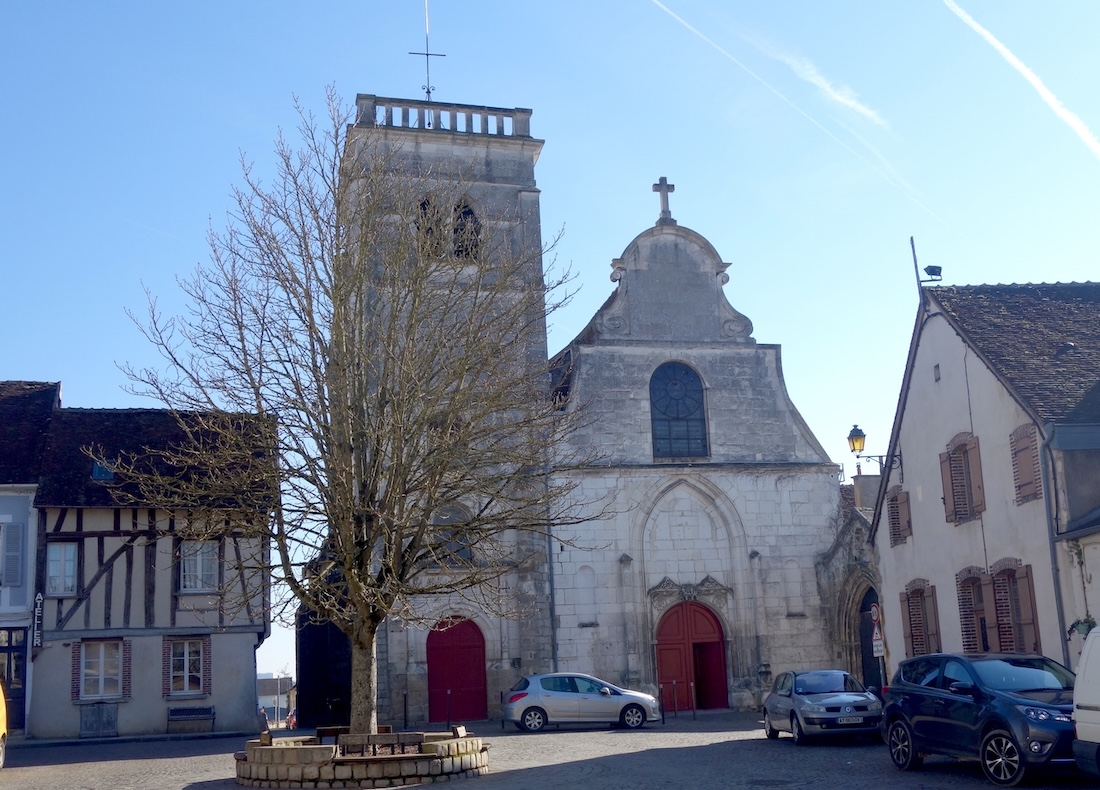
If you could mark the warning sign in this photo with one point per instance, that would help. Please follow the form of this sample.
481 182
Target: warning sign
878 645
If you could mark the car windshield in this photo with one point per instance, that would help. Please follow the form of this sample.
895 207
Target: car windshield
826 683
1024 674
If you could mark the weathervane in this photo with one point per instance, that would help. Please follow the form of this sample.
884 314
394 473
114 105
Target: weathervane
428 55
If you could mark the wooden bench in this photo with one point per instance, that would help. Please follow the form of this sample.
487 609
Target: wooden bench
380 745
204 713
333 731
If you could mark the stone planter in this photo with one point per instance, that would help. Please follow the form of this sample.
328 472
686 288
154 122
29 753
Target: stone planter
306 763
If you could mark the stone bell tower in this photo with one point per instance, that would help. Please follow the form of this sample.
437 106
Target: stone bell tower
489 155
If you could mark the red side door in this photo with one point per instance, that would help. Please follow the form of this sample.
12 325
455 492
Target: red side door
456 672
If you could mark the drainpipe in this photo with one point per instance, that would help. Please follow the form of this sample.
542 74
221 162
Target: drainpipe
758 597
1047 462
550 560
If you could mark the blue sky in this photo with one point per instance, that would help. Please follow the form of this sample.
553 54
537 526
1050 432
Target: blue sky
807 142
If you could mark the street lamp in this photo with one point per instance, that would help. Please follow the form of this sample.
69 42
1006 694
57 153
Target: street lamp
856 441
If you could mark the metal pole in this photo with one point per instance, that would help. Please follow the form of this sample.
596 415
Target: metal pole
448 709
675 702
691 689
502 712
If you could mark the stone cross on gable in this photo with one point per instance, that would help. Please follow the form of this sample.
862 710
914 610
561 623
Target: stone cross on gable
664 188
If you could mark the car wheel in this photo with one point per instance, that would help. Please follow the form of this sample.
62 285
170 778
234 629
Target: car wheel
797 732
632 717
900 740
1001 760
769 730
533 719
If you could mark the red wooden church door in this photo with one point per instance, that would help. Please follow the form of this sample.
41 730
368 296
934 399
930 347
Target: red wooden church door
456 672
691 650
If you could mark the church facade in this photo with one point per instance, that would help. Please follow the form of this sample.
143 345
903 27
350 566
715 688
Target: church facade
701 579
698 574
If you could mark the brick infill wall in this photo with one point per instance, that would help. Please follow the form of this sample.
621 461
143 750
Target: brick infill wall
303 762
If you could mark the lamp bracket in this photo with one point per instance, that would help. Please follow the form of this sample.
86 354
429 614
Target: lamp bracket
885 461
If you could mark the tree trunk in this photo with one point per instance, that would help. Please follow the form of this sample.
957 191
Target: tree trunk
364 678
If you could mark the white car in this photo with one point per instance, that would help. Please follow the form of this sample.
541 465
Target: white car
573 698
1086 706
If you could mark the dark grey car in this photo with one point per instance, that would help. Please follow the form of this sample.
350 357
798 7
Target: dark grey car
1010 711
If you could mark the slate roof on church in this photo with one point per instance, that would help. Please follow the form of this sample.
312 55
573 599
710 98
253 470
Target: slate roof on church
25 411
66 468
1043 339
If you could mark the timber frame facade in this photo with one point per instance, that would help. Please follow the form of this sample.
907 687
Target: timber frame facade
134 614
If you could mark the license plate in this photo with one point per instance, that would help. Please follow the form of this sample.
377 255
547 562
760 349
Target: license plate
850 720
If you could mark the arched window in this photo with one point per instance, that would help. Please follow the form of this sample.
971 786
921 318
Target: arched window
678 412
451 543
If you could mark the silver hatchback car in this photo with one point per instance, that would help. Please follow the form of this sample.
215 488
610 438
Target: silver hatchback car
573 698
820 702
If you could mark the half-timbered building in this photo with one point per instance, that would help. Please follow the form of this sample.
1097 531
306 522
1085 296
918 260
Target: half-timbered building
139 623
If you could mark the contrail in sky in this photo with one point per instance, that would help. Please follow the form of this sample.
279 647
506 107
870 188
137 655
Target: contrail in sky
807 71
886 173
1068 116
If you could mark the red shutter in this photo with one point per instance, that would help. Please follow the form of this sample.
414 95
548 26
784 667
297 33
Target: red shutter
948 490
977 488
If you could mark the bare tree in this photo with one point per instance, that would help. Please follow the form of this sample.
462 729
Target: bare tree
394 352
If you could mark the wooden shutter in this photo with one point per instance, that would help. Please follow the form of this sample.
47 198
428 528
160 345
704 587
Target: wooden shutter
11 574
974 463
948 489
992 627
931 620
1025 588
905 518
907 625
1023 463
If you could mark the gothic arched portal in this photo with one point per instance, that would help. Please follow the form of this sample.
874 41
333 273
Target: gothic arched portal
872 675
456 672
691 658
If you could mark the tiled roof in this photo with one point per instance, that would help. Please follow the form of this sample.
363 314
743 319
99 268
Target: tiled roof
67 470
25 411
1043 339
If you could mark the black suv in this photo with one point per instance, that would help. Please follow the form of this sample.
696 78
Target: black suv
1009 711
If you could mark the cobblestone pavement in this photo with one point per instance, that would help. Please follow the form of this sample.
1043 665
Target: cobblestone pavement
725 750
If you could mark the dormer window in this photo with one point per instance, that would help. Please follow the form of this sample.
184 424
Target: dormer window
100 472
